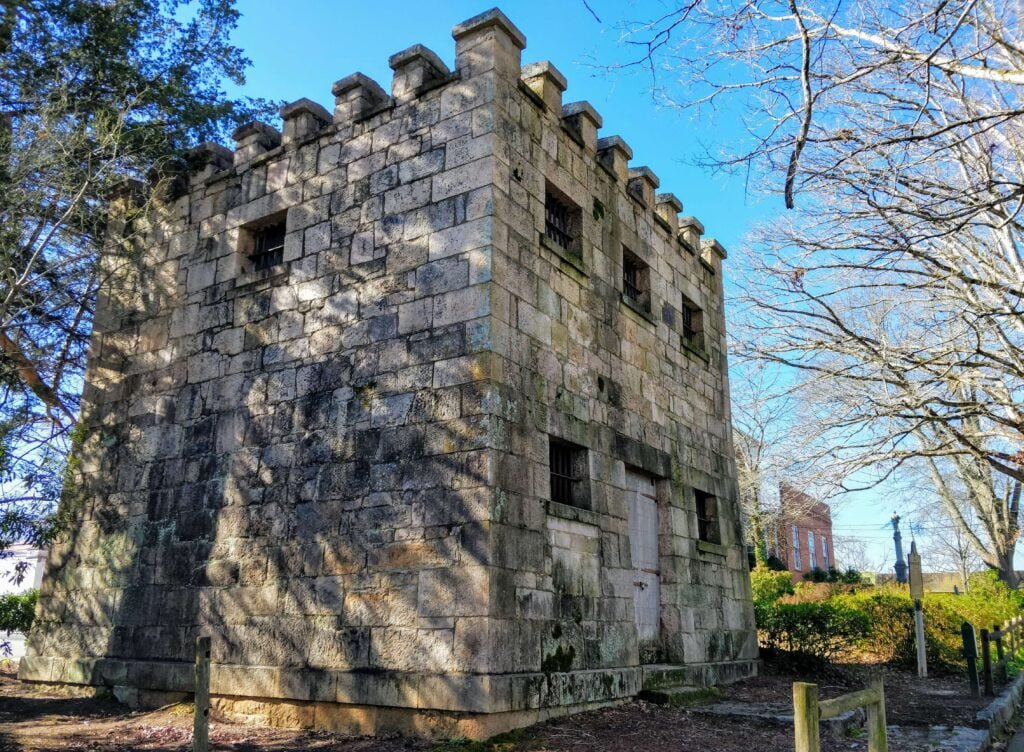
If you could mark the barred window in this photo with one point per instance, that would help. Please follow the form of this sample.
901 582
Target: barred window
261 244
562 220
692 320
568 467
708 528
636 280
268 247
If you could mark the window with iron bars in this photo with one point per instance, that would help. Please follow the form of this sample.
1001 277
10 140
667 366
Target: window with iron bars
692 325
568 473
636 280
707 517
561 221
267 246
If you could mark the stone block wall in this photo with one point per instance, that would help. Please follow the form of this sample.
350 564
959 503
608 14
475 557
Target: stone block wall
334 461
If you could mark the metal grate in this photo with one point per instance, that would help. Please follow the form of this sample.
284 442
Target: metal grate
563 472
707 518
631 279
689 320
558 217
268 247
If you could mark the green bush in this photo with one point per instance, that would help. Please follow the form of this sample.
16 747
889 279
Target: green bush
891 612
18 611
821 629
768 586
852 577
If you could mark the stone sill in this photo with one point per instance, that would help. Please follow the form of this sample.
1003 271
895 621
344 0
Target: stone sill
638 310
699 352
569 259
575 514
707 547
245 282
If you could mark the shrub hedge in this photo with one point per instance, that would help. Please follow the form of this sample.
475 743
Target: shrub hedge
826 621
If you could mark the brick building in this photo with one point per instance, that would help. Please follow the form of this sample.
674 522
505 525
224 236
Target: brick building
802 538
419 409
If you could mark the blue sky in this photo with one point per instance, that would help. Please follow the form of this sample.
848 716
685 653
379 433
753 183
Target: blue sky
300 52
298 49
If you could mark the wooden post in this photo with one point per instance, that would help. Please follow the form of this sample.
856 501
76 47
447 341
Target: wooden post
922 656
806 717
986 662
999 641
877 741
201 725
917 594
971 655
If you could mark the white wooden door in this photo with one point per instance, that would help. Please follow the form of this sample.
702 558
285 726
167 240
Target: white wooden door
643 540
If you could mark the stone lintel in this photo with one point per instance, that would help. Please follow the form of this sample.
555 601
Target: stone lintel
642 184
356 96
488 42
614 153
546 81
416 68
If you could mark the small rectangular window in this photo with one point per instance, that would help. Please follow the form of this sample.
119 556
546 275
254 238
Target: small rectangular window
824 552
797 563
562 220
636 280
812 551
692 319
261 244
268 247
569 473
708 528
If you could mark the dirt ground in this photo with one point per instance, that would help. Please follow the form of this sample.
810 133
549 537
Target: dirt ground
910 701
44 719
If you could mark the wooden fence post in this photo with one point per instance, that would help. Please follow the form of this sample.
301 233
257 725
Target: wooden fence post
971 655
986 662
877 740
997 633
201 724
806 717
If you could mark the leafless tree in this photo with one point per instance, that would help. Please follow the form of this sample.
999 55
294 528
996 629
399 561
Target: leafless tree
894 287
852 552
774 447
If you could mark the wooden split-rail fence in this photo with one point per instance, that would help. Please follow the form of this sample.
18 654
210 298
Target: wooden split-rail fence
809 712
1007 640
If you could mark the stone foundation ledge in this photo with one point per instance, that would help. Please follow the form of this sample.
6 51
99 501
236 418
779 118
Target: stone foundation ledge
459 693
373 721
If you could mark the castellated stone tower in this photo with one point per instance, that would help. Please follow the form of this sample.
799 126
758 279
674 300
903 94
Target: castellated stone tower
419 409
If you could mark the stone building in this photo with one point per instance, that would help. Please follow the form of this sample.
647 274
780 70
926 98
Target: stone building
419 409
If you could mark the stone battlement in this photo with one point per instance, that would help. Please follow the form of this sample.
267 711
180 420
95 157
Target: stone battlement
418 408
